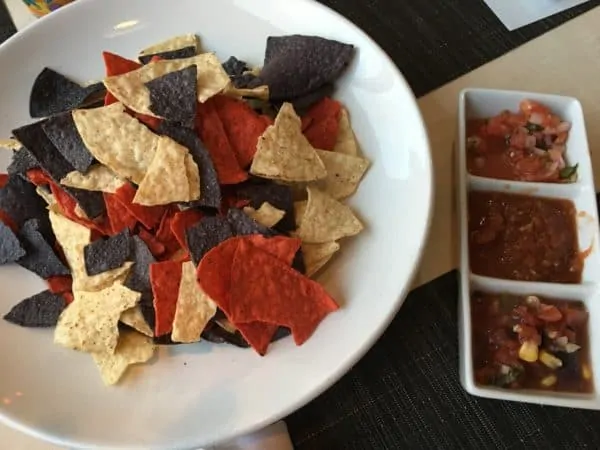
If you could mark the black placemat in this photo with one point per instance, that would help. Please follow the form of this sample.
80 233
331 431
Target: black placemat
7 28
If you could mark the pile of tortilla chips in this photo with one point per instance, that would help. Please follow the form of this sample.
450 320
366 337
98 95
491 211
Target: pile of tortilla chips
182 199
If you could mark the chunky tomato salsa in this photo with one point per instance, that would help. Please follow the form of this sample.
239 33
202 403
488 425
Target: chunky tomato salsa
529 342
520 237
528 145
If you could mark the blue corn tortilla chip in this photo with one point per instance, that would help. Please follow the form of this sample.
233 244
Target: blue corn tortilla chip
246 81
296 65
210 191
19 200
217 335
185 52
40 257
139 277
41 147
242 224
304 102
22 161
39 311
205 235
174 96
147 308
235 67
91 202
53 93
10 248
107 254
278 195
62 132
282 332
298 262
34 139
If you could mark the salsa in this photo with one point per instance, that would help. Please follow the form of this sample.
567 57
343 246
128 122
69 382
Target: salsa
529 342
528 145
521 237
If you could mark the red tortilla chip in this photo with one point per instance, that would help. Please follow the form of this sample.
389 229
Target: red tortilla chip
306 121
60 284
68 205
242 125
265 289
156 247
3 179
151 122
38 177
212 134
214 274
149 216
116 65
231 200
324 124
182 221
68 296
164 278
165 234
118 215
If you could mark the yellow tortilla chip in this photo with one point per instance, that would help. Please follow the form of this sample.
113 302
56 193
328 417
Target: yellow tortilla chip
194 308
132 348
117 140
174 43
193 176
284 153
46 195
346 140
317 255
260 92
344 173
266 215
326 219
134 318
73 237
299 211
97 178
90 322
10 144
130 88
166 180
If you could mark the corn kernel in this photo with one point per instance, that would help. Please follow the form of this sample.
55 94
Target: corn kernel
586 372
549 381
528 351
549 360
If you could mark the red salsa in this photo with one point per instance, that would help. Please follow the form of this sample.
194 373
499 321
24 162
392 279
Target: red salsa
530 343
521 237
528 145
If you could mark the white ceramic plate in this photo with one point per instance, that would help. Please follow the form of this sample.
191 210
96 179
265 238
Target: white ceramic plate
200 394
482 103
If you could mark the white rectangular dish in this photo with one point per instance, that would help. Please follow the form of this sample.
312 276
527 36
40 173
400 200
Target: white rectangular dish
485 103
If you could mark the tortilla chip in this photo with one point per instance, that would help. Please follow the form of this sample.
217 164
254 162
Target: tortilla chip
192 172
344 173
134 318
46 195
260 92
166 180
326 219
323 130
194 308
173 96
89 324
117 140
346 140
38 311
283 152
130 89
299 211
97 178
165 278
266 215
317 255
11 144
173 43
148 216
73 237
132 348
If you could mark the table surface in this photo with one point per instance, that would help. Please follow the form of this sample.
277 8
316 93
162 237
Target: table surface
405 393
